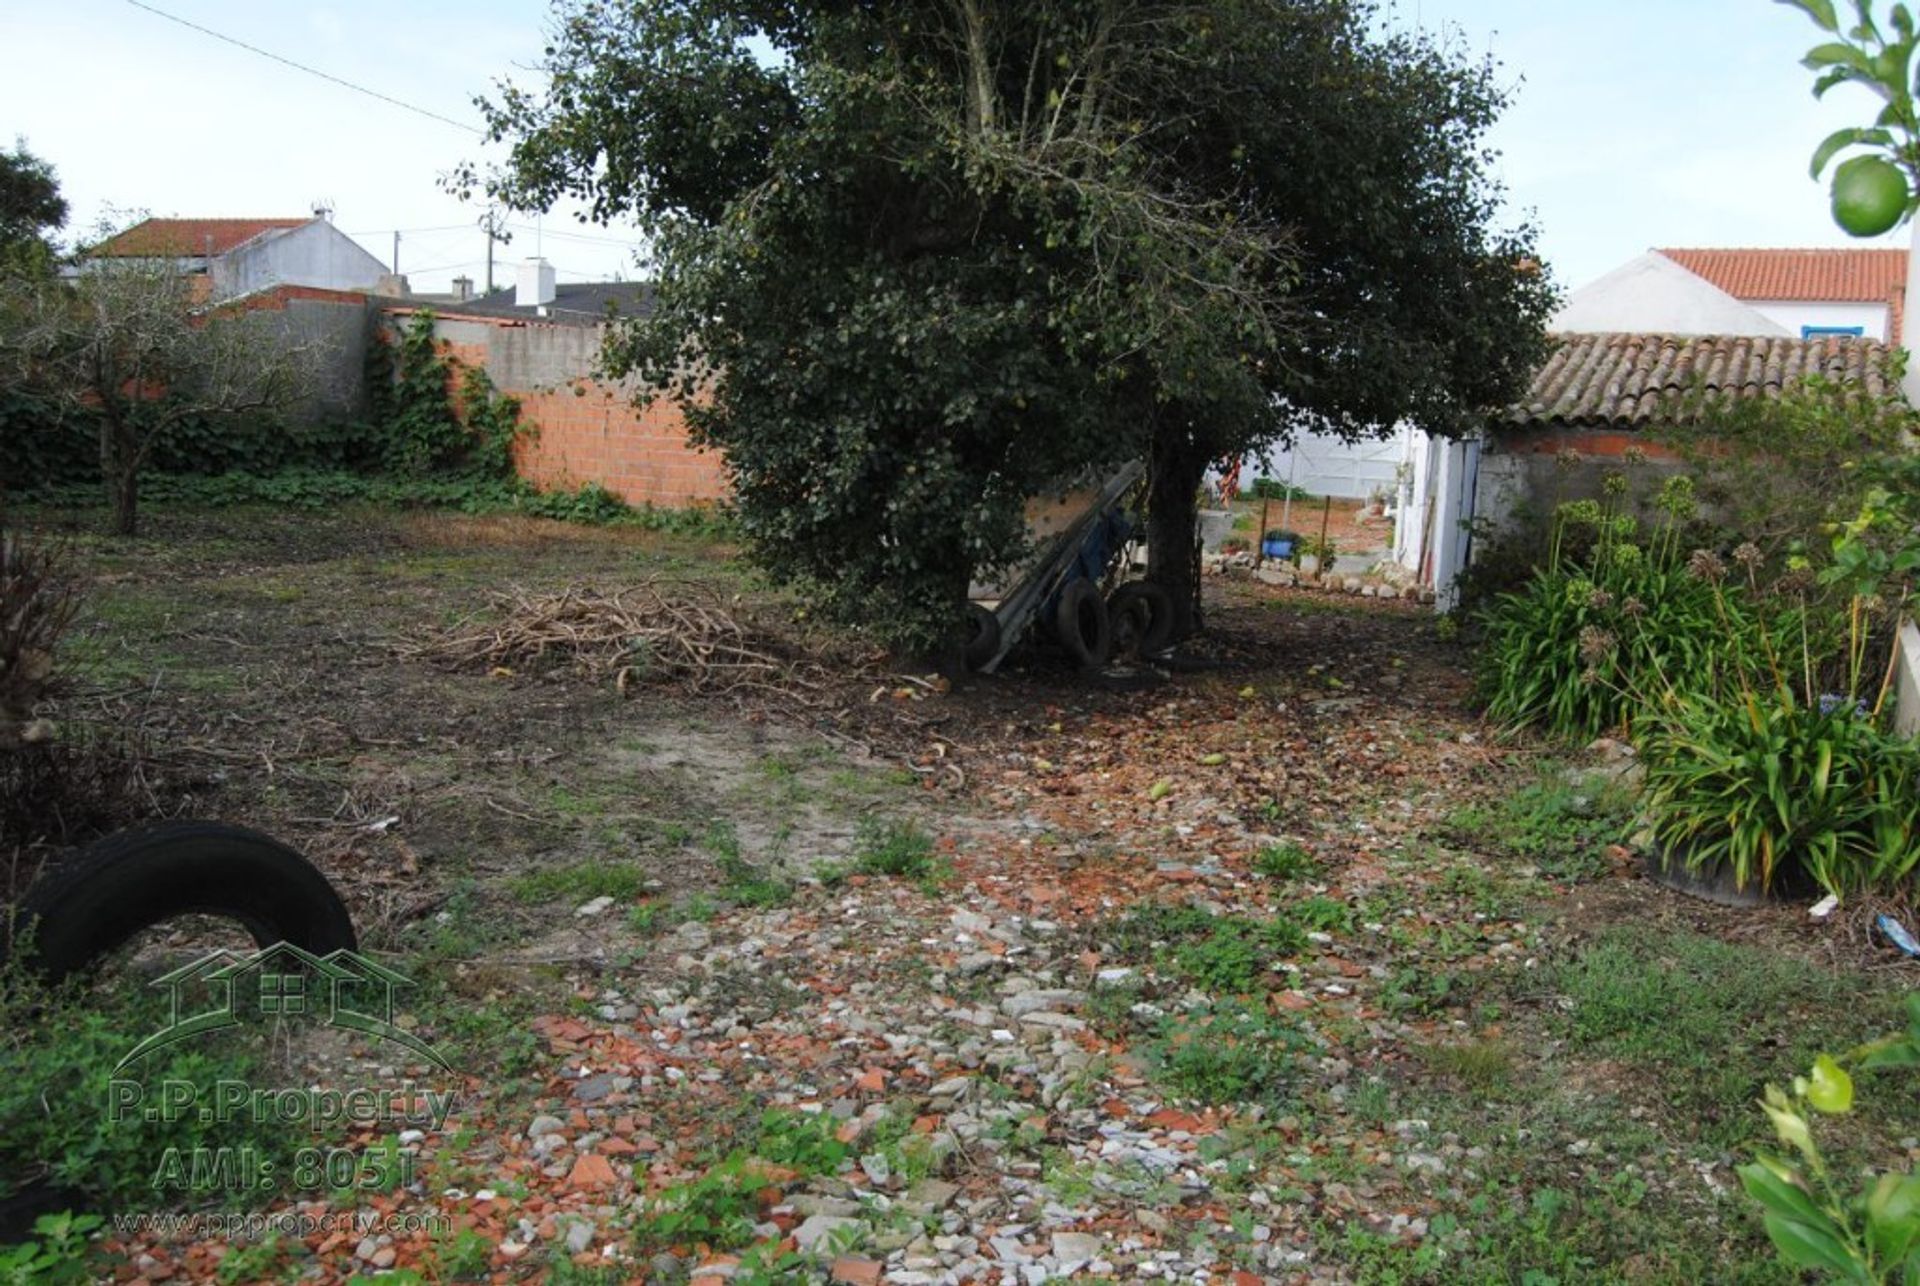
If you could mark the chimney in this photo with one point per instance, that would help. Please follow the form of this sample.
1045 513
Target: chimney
535 285
462 289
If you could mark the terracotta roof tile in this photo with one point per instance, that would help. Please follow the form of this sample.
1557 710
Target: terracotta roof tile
1862 276
187 236
1631 381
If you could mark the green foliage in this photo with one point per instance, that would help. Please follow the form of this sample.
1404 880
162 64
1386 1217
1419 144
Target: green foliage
1275 489
1878 58
803 1141
31 211
898 848
621 881
924 278
717 1210
465 1256
1225 954
1284 861
1228 1053
1817 1222
57 1057
57 1255
245 1264
1763 783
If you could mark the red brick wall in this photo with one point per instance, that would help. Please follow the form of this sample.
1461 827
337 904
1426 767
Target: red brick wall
592 433
582 430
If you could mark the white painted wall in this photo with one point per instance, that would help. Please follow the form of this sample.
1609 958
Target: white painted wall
1653 294
313 254
1324 465
1434 512
1795 313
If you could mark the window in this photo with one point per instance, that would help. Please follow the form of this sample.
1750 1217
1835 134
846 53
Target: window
283 993
1814 332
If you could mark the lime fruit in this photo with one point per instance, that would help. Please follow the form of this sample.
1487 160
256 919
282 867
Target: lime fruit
1869 196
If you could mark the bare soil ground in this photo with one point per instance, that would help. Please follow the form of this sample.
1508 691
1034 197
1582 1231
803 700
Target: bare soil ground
1428 1025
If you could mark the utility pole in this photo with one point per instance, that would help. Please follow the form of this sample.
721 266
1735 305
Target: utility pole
396 252
491 224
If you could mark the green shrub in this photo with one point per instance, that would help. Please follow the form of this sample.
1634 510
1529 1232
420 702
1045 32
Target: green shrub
58 1054
56 1255
1763 782
1275 489
1225 954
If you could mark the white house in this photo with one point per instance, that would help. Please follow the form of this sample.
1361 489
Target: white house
234 257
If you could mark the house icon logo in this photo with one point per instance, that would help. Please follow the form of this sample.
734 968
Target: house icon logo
282 983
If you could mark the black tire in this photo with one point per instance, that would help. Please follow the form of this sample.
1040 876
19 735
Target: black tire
1142 617
1082 626
982 635
96 900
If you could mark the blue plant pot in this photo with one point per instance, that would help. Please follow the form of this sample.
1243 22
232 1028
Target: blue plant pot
1277 548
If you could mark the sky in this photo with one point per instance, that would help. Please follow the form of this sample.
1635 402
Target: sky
1634 123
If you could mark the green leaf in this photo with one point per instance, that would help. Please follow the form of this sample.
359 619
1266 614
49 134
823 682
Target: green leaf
1893 1216
1821 11
1780 1195
1832 146
1830 1089
1808 1246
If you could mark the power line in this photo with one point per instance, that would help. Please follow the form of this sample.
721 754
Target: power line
311 71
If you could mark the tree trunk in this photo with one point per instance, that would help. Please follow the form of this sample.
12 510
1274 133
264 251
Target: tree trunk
1175 470
120 470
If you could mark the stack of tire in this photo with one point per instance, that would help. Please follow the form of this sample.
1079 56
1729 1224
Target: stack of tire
1134 622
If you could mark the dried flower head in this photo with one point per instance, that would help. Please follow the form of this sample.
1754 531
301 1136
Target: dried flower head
1633 608
1567 459
1706 565
1596 645
1600 600
1589 677
1634 455
1795 580
1748 555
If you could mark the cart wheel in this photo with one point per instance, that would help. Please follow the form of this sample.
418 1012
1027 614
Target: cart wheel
1142 616
982 632
1082 626
96 900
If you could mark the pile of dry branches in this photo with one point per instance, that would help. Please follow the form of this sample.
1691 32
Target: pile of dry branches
653 632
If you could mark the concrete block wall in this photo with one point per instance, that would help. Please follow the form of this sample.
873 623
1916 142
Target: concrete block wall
583 429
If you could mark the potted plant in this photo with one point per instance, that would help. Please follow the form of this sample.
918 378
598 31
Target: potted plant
1279 543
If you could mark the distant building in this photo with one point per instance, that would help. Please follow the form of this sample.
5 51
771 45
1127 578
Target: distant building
1793 293
233 257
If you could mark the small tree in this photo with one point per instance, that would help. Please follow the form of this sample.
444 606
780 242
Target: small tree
121 344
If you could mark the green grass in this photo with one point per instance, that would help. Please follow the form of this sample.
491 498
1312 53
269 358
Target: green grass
1552 824
1710 1022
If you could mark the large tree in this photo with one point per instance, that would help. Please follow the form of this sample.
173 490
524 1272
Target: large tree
31 211
919 260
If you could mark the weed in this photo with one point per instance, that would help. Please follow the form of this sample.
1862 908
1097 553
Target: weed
1483 1065
801 1141
465 1256
1324 914
1226 953
244 1264
1284 861
57 1255
1227 1053
900 849
1560 828
718 1209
